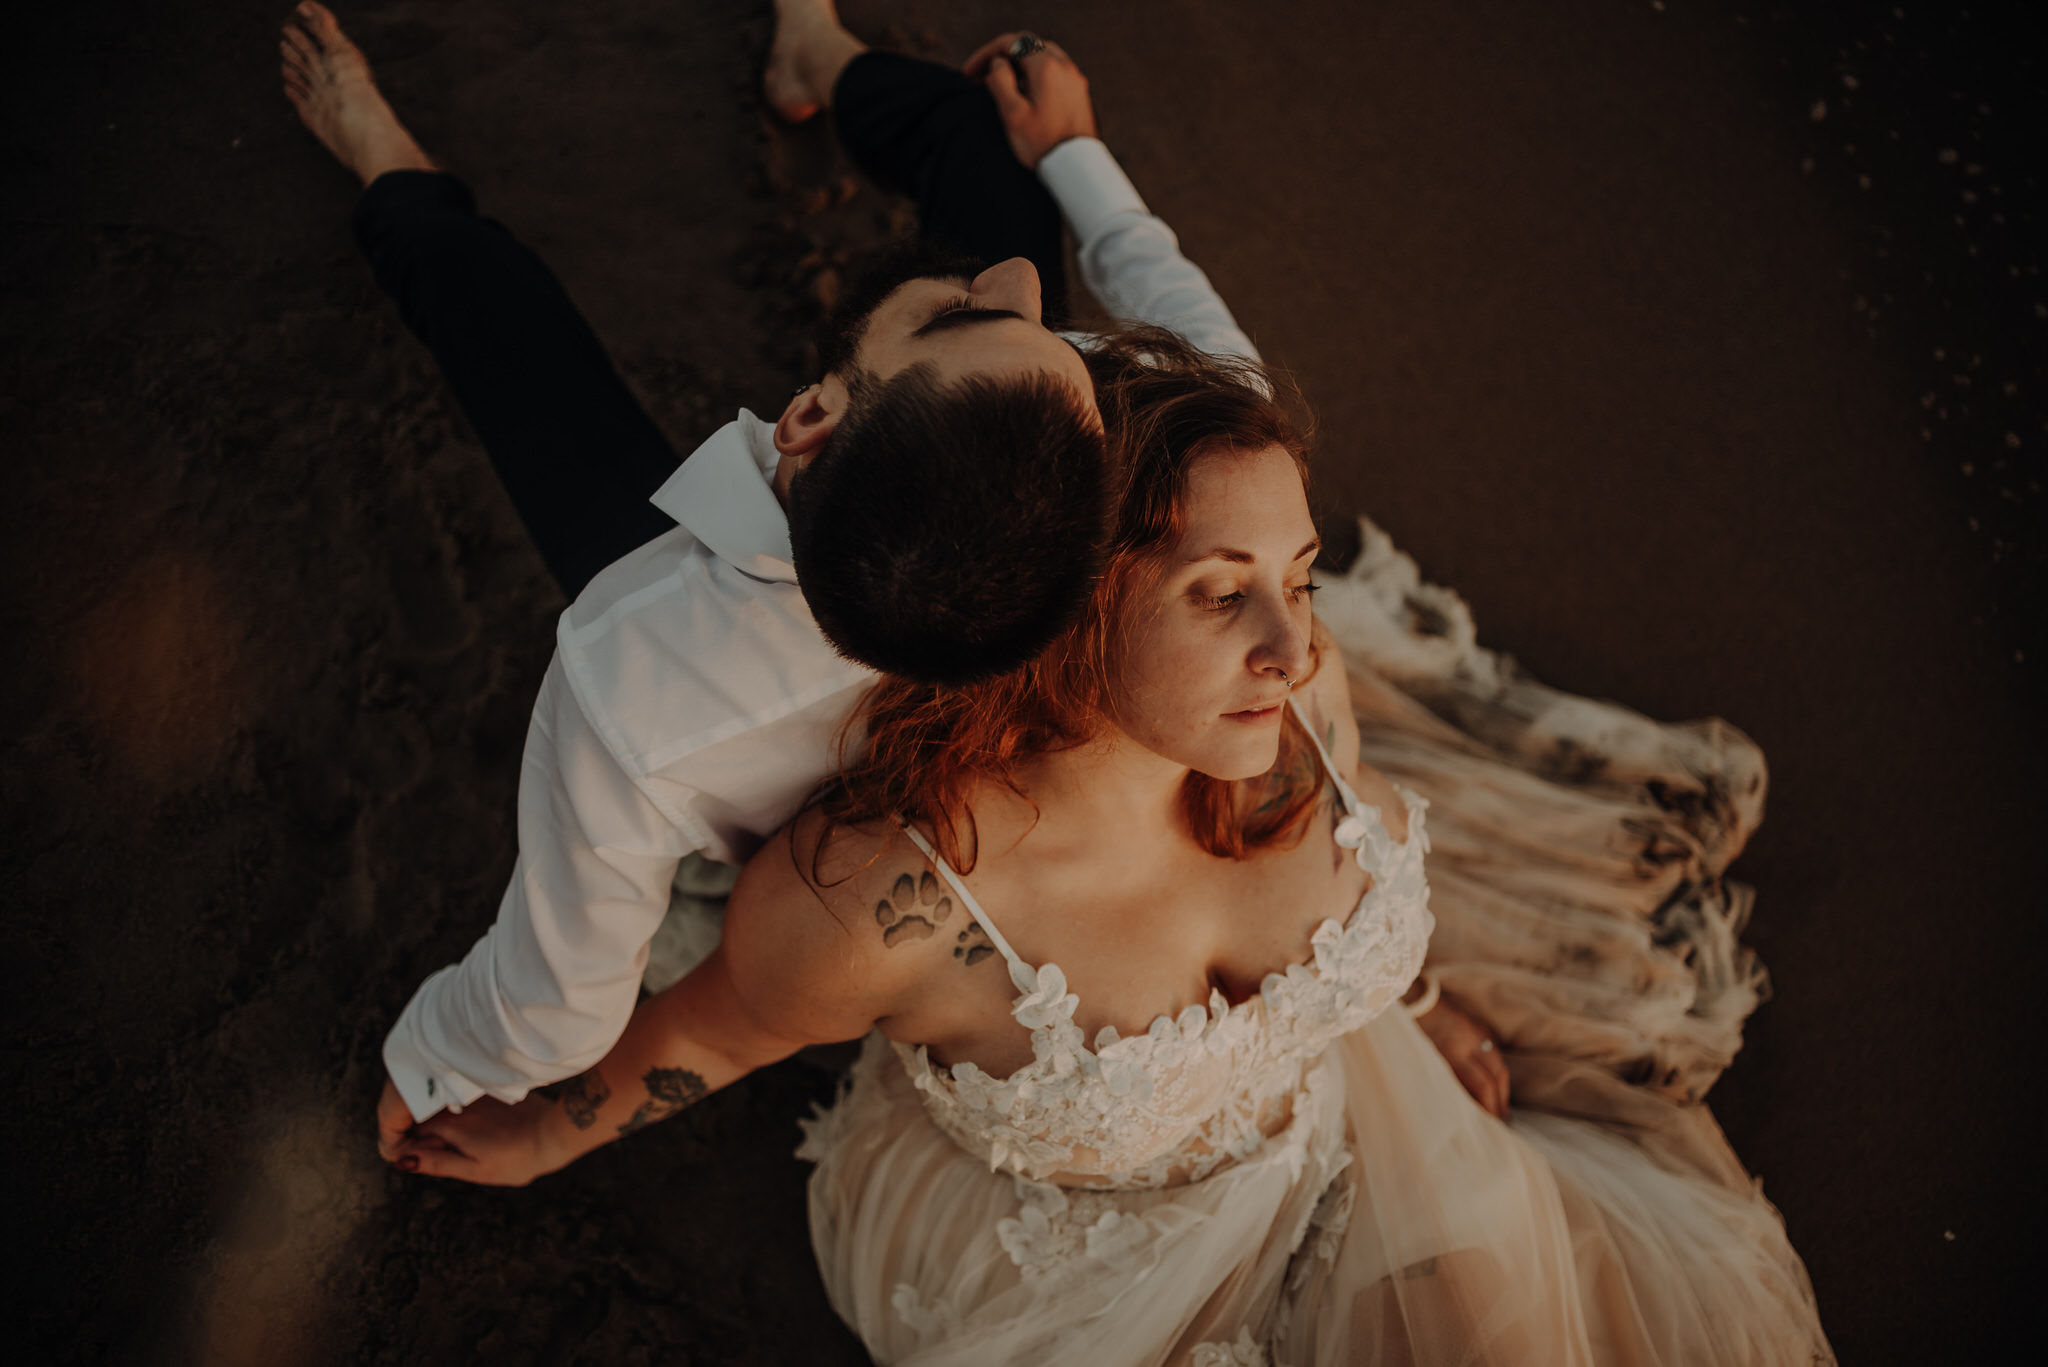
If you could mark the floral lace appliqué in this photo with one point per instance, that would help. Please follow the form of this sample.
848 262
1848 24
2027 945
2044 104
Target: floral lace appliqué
1197 1090
1240 1352
933 1321
1060 1235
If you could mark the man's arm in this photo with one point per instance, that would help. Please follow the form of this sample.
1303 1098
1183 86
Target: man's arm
1130 260
548 988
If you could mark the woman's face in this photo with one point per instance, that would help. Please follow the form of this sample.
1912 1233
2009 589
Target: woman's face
1211 641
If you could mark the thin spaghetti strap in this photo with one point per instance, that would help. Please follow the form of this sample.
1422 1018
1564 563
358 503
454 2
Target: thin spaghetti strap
1351 803
952 878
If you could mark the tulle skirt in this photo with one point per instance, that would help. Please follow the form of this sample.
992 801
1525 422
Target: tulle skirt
1577 881
1394 1222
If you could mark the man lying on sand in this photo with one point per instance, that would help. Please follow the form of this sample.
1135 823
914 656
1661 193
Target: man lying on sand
723 630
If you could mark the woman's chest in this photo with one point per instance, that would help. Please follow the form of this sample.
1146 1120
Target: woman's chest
1132 954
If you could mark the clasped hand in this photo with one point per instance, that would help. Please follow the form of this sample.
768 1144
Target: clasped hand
1050 106
489 1143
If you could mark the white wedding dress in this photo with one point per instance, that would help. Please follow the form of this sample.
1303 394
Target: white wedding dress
1299 1179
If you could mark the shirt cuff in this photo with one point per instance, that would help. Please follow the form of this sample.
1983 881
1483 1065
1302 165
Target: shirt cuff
424 1088
1090 187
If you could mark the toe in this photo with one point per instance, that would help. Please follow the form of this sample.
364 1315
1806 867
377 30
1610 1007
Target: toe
322 22
298 48
297 29
787 95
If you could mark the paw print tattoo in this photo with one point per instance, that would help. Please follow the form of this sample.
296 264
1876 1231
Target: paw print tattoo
972 945
913 910
581 1096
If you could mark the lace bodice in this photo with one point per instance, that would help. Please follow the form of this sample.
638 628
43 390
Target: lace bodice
1199 1090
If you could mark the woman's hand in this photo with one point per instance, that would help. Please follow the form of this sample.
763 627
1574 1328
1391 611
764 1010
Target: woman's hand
490 1143
1047 107
1473 1053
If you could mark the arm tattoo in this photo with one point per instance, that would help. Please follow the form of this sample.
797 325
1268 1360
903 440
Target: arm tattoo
668 1090
581 1096
913 910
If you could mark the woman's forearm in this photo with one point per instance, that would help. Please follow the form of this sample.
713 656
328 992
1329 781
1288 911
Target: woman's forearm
678 1049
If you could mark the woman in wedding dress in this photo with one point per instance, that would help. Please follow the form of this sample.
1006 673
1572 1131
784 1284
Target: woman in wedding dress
1154 1071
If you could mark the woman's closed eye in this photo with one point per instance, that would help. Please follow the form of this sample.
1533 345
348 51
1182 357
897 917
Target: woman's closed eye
1296 593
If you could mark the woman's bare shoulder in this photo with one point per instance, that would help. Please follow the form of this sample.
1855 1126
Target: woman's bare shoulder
841 900
794 939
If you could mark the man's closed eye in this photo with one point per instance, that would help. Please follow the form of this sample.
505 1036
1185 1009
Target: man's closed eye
962 314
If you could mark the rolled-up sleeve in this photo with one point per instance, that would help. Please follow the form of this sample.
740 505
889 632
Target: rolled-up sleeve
1130 260
549 988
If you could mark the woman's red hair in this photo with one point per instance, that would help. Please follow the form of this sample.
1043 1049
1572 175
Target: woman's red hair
1165 405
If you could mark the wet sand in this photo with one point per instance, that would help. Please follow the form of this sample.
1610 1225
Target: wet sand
1598 319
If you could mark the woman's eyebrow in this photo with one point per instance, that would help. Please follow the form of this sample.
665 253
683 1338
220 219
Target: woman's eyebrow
1237 557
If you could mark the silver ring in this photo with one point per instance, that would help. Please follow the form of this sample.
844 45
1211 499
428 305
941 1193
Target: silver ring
1284 679
1025 45
1486 1046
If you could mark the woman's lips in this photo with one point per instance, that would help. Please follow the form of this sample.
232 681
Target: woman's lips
1254 716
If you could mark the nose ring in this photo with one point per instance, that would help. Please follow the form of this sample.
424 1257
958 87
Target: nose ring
1284 679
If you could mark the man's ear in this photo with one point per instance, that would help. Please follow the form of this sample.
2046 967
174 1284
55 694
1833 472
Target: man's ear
811 417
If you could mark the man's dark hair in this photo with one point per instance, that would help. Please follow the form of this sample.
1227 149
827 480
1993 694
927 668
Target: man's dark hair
946 533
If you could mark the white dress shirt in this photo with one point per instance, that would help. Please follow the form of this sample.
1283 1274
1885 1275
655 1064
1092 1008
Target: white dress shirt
692 705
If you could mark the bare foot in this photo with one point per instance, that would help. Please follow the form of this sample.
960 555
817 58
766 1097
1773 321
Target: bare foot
328 81
804 61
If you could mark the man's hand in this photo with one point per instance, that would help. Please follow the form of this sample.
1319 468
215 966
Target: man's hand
1472 1052
394 1122
490 1143
1049 106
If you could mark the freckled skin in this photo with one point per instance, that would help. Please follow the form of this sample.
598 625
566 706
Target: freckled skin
1218 631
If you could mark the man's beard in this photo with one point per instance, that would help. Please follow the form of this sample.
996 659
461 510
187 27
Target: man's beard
893 268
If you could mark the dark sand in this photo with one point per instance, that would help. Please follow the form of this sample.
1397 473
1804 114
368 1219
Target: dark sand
1582 332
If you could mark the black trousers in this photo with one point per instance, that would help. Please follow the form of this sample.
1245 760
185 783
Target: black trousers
571 445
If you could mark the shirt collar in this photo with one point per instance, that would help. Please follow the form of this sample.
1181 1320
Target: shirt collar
722 496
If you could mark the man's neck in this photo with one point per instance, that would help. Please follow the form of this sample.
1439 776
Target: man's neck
786 467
